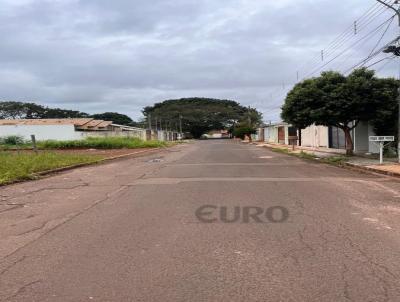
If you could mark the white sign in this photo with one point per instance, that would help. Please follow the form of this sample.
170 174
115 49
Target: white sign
381 138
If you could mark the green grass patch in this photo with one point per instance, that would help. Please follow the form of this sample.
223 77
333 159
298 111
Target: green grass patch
14 166
101 143
280 150
305 155
332 160
335 160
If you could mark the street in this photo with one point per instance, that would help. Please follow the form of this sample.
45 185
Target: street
130 230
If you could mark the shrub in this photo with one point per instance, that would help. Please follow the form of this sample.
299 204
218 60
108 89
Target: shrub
12 140
242 131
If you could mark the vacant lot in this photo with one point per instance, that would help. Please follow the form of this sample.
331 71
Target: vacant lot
19 166
12 143
102 143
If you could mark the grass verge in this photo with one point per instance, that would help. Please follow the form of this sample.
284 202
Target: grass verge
15 167
337 160
101 143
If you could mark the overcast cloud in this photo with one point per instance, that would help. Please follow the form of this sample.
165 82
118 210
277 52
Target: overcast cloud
121 55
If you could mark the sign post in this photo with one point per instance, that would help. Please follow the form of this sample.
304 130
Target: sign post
381 141
293 141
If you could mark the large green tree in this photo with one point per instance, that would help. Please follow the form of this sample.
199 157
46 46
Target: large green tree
116 118
199 115
337 100
385 121
21 110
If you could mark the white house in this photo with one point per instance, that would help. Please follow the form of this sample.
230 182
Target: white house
278 133
332 137
66 129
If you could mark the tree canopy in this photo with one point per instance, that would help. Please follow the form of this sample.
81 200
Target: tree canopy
117 118
341 101
199 115
21 110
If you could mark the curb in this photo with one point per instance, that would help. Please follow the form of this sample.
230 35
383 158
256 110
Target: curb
350 166
298 148
371 170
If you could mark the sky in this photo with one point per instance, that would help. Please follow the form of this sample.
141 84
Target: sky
121 55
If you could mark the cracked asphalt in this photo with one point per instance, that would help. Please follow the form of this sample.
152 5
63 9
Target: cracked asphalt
127 230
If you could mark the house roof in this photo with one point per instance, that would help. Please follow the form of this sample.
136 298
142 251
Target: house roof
64 121
79 123
91 124
104 124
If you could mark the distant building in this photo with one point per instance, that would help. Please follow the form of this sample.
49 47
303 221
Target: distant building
66 129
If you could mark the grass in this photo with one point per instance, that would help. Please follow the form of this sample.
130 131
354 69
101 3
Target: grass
281 150
101 143
23 166
332 160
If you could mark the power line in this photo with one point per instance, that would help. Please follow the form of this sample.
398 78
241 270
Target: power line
384 65
383 34
377 62
371 14
373 32
369 58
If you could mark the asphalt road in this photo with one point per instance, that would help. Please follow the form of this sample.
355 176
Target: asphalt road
128 230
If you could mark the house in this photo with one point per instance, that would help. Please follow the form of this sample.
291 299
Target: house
320 137
66 129
278 133
332 137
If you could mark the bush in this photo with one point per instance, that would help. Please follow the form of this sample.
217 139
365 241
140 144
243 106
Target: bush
12 140
242 131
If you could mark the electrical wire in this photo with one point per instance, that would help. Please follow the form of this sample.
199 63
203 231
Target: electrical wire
373 32
381 60
345 34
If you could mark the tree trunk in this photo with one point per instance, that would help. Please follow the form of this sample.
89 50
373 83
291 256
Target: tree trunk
349 141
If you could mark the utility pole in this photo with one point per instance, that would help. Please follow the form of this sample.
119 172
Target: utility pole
149 120
395 50
180 124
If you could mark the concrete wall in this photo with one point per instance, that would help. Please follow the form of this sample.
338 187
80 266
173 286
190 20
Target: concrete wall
136 134
315 136
372 147
62 132
361 138
273 135
266 134
42 132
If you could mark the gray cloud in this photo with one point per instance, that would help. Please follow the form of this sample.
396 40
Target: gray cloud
99 55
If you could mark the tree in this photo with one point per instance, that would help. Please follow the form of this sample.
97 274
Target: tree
198 115
116 118
20 110
242 130
336 100
385 121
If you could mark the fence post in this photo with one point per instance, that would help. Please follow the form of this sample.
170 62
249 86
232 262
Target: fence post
33 138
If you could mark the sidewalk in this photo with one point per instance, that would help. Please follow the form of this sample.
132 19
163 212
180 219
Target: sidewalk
389 167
